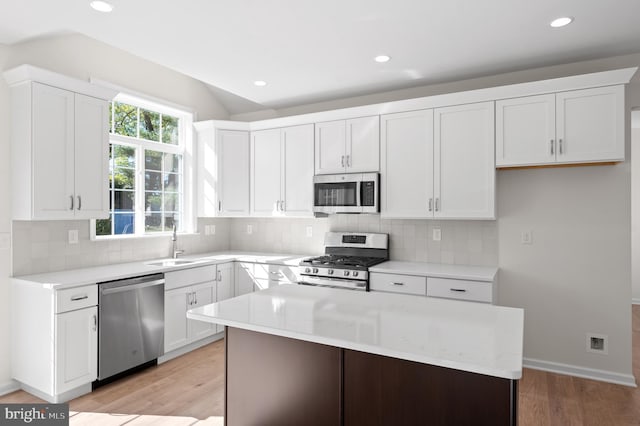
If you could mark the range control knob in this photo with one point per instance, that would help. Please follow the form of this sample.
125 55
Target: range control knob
330 272
315 270
346 273
307 270
355 273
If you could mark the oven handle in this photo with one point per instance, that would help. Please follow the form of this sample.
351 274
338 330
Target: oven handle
308 279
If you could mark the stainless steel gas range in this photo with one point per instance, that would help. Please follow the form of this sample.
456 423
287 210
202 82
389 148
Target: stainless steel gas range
348 256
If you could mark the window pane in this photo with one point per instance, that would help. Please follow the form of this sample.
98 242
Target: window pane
152 160
172 163
103 226
149 125
153 222
124 201
170 129
152 201
171 201
153 181
124 156
124 179
171 182
125 119
124 223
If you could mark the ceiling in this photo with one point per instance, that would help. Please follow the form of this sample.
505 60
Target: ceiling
310 50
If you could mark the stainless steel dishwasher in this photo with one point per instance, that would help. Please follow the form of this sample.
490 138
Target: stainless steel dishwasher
130 323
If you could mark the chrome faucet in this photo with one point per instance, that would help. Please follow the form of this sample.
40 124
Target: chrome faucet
174 240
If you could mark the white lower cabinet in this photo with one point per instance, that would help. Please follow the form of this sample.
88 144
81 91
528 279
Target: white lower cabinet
244 280
187 289
259 276
225 288
449 288
76 348
54 344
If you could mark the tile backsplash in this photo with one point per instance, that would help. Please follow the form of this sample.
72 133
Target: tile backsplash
43 246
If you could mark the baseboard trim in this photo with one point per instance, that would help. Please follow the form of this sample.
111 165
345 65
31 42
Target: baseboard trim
635 301
585 373
190 347
8 387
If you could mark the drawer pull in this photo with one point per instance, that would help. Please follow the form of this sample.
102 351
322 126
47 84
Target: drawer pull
76 298
398 283
458 290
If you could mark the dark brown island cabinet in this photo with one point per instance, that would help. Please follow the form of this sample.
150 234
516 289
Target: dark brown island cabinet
279 381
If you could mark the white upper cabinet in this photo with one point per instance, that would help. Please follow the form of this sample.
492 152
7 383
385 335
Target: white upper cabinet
223 169
439 163
60 153
464 167
406 165
579 126
348 146
282 171
590 125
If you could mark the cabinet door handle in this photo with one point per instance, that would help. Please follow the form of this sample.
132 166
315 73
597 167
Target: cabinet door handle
458 290
398 283
195 298
437 203
189 295
79 202
560 146
219 205
219 275
342 161
552 152
71 197
430 204
95 322
348 161
76 298
282 205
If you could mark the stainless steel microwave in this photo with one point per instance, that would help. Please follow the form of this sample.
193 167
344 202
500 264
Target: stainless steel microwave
346 193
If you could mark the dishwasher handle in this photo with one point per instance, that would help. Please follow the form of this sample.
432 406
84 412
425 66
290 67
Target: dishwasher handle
119 286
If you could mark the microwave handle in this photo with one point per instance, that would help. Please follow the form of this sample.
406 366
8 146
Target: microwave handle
359 192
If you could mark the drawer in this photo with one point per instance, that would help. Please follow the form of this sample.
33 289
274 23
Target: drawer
185 277
476 291
71 299
398 283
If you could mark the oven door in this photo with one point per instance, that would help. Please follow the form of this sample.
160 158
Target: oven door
334 283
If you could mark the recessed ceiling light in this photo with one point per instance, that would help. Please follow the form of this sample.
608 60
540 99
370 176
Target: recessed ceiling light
561 22
260 83
101 6
382 58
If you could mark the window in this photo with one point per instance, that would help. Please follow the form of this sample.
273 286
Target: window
146 169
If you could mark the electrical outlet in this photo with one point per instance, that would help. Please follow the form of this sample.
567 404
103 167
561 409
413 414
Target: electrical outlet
437 234
597 343
309 231
73 236
249 229
526 237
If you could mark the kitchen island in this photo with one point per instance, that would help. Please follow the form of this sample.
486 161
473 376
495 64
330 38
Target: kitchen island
311 355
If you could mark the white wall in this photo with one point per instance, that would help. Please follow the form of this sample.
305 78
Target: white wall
81 57
635 205
5 227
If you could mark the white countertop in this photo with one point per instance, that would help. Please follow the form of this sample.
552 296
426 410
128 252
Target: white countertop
472 337
437 270
96 274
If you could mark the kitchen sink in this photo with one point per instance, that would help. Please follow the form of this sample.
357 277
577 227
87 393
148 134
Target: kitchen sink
171 262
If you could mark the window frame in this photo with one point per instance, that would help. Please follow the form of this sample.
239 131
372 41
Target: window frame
185 147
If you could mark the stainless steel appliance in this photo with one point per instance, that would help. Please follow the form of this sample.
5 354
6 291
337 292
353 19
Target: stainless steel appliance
347 193
130 323
348 256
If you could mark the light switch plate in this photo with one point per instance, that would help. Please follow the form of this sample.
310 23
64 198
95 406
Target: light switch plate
249 229
437 234
73 236
212 230
526 237
309 231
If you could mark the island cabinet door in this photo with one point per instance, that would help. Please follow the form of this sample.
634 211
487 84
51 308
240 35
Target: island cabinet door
380 390
273 380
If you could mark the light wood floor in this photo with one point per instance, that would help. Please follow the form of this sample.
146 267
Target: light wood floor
191 388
